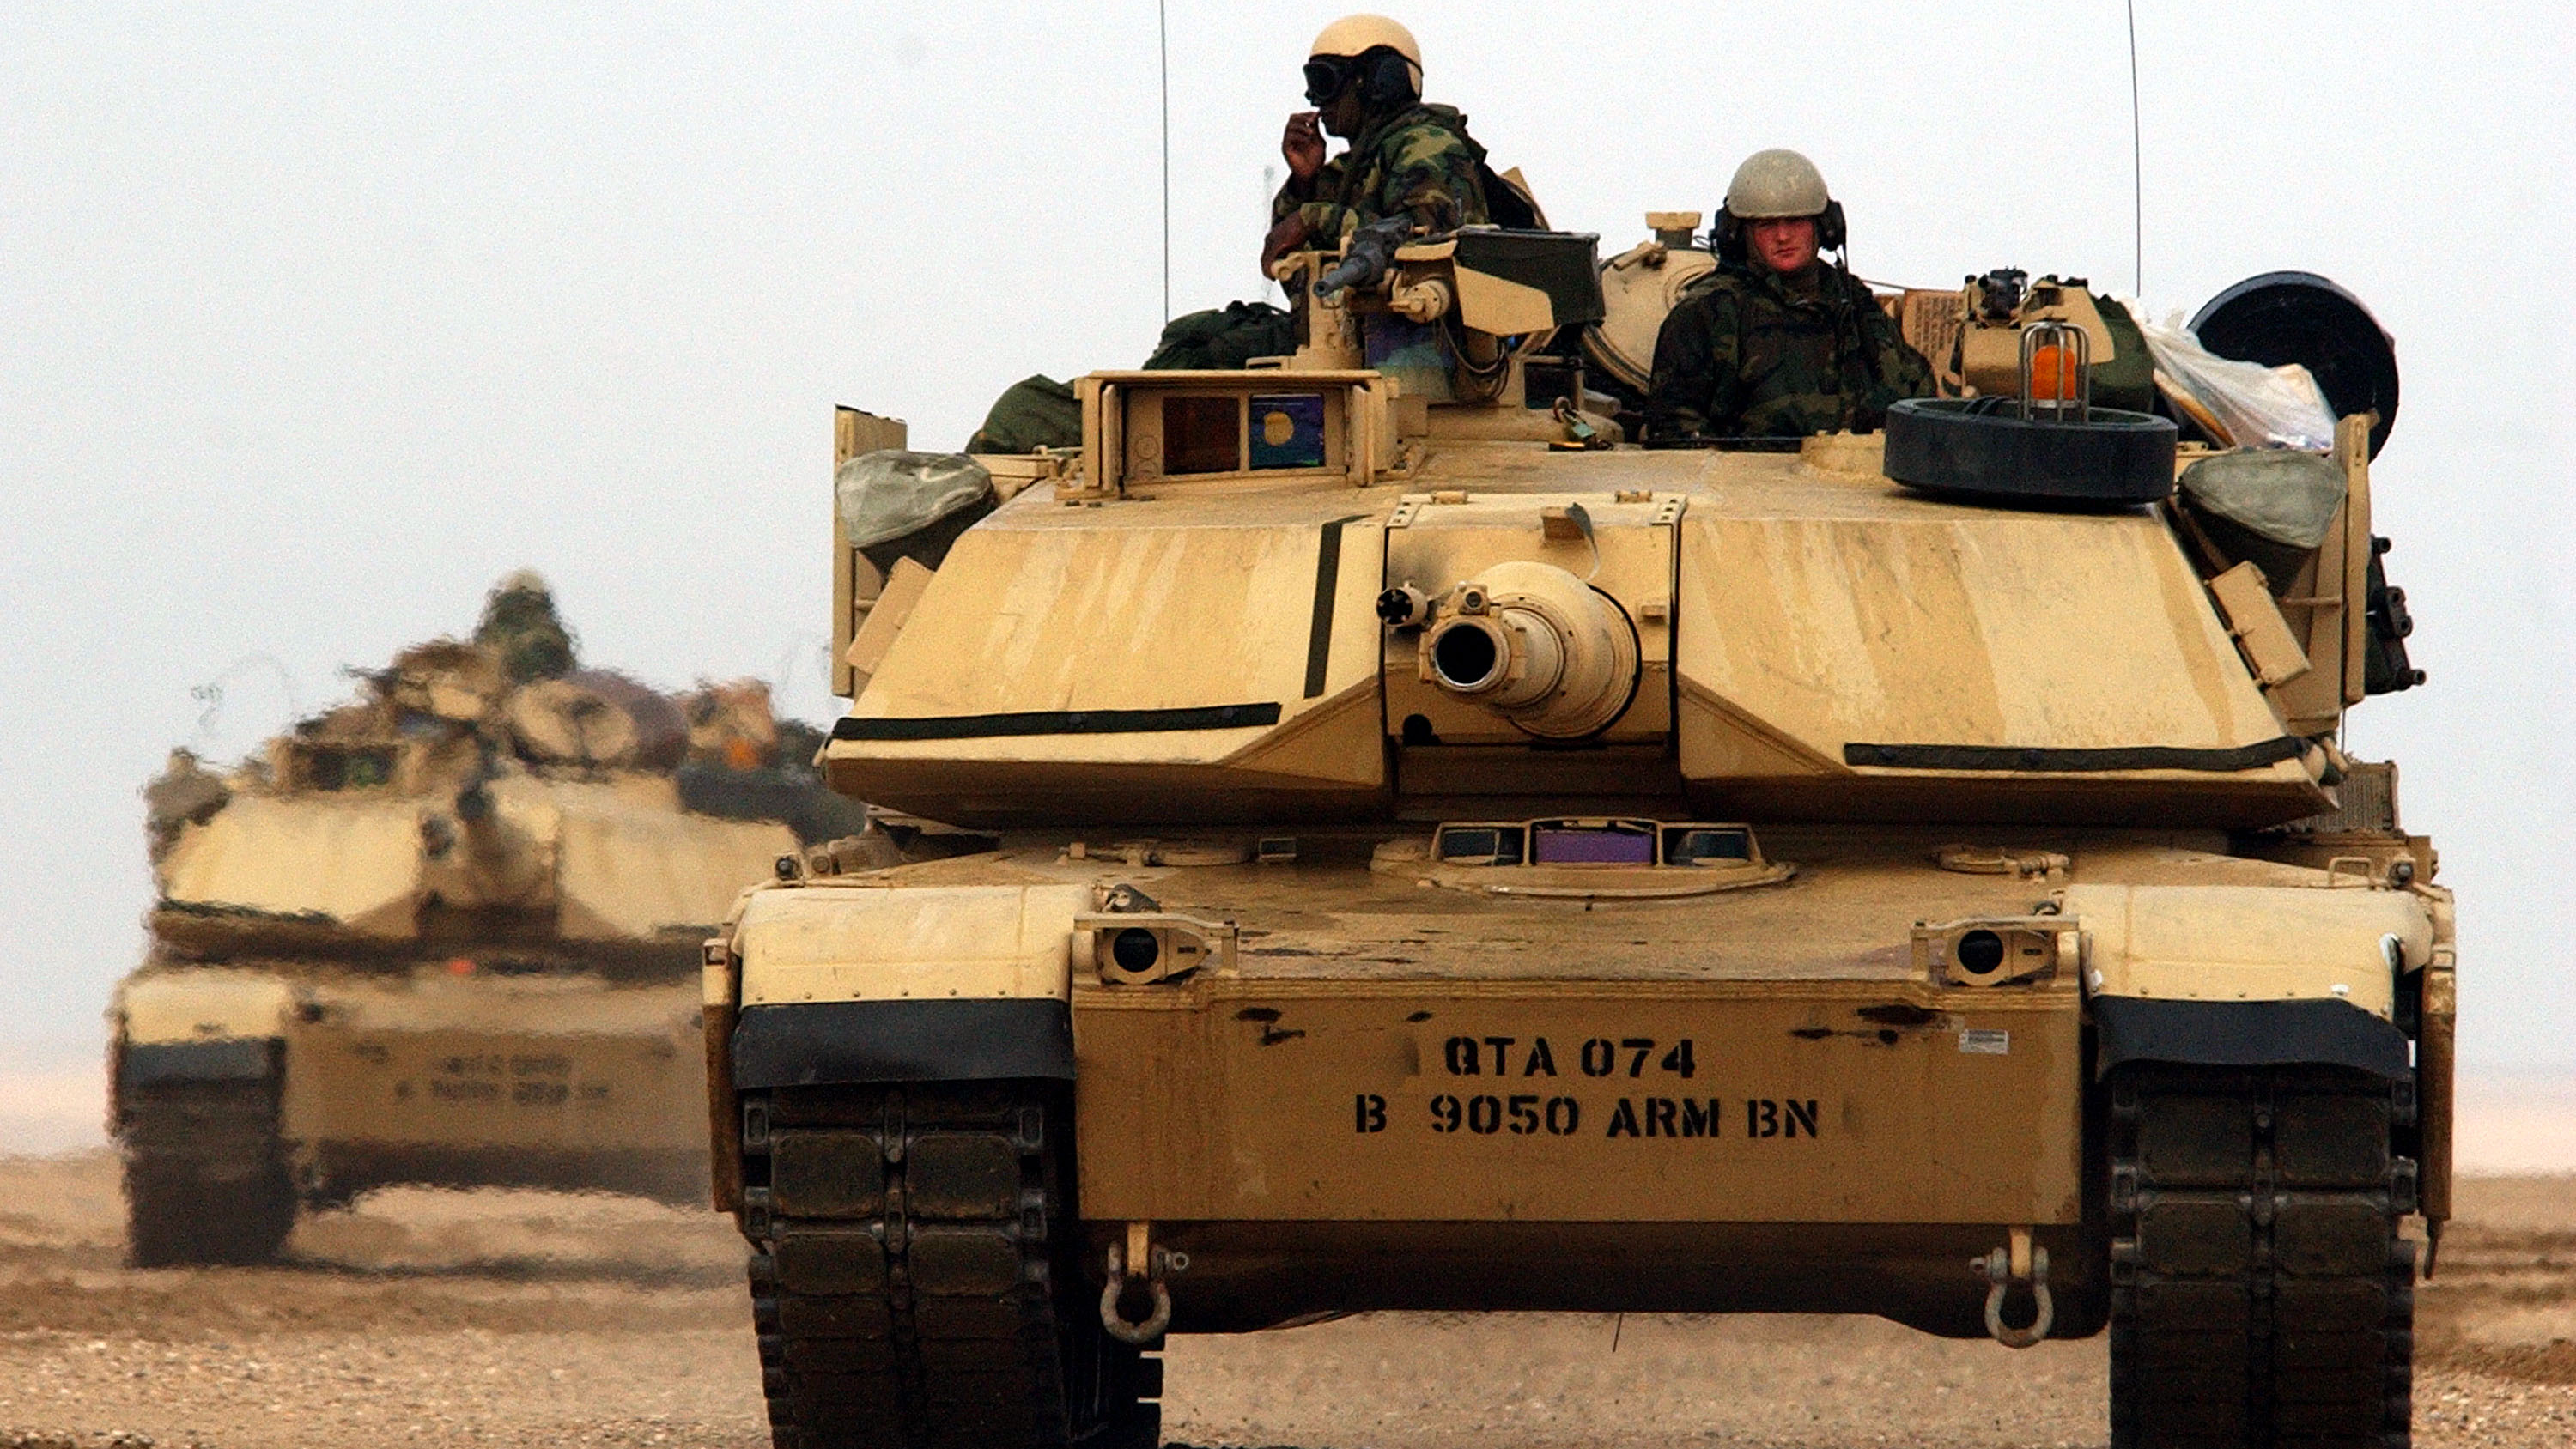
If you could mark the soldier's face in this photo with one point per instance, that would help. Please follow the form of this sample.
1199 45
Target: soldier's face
1786 244
1342 113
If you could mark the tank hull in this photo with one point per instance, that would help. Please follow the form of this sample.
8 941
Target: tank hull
1369 1083
1394 1093
437 1074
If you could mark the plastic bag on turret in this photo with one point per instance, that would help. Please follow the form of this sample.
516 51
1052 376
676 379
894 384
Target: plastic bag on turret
900 504
2257 406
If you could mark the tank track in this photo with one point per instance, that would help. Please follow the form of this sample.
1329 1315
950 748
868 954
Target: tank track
2260 1293
206 1177
915 1283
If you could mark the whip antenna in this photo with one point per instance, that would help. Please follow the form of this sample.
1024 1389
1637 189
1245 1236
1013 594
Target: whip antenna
2137 181
1163 44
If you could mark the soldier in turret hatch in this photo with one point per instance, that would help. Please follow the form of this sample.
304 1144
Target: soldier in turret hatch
1406 157
1775 343
1364 79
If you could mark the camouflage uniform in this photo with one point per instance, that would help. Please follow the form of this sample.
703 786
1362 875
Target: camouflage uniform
1420 160
1746 354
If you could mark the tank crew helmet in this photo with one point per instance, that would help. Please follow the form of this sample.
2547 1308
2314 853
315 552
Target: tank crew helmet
1772 184
1372 50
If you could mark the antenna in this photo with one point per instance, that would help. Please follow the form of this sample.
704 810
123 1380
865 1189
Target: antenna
211 693
2137 181
1163 43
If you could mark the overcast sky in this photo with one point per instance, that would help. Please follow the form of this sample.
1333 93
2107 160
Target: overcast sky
315 320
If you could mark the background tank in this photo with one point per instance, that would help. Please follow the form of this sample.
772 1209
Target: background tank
1442 859
448 934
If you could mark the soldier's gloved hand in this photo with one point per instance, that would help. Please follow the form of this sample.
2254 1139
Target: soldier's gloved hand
1303 144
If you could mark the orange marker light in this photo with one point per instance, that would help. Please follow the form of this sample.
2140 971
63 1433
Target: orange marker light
2052 375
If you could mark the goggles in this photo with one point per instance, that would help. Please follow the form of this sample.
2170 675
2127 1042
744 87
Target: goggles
1327 76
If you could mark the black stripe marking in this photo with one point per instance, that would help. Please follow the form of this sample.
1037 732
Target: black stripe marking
1328 578
2129 757
1058 722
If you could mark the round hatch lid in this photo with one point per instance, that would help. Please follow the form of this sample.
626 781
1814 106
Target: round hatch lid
2282 317
1639 288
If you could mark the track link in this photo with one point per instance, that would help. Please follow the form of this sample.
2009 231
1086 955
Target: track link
206 1177
914 1277
2261 1296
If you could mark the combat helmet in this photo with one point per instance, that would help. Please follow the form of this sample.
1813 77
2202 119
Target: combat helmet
1380 52
1775 183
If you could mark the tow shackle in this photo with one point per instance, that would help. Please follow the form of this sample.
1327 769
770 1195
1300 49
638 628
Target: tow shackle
2001 1269
1158 1262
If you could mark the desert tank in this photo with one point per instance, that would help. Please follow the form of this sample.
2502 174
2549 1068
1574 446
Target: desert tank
445 934
1442 856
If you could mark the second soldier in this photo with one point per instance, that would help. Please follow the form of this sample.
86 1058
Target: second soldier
1775 343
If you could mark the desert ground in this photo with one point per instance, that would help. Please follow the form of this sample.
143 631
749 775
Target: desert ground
422 1318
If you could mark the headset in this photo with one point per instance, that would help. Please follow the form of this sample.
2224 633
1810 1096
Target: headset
1726 234
1385 78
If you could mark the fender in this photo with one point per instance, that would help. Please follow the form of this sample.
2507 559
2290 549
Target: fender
2247 1034
872 981
200 1024
2251 975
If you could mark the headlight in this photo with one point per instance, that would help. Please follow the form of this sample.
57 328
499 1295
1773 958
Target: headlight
1138 948
1995 951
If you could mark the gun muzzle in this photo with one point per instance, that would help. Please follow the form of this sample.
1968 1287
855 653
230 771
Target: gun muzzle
1371 253
1535 644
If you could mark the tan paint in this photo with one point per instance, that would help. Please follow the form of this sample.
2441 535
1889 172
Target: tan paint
1504 308
1817 606
614 860
354 860
1934 625
2249 943
1861 1097
2437 1065
1123 424
864 942
478 966
2352 449
1240 1099
1639 288
201 1005
1990 353
855 582
2323 603
1436 542
1046 589
2255 622
633 868
886 618
434 1060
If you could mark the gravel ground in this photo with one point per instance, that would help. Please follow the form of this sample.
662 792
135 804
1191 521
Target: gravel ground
505 1319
